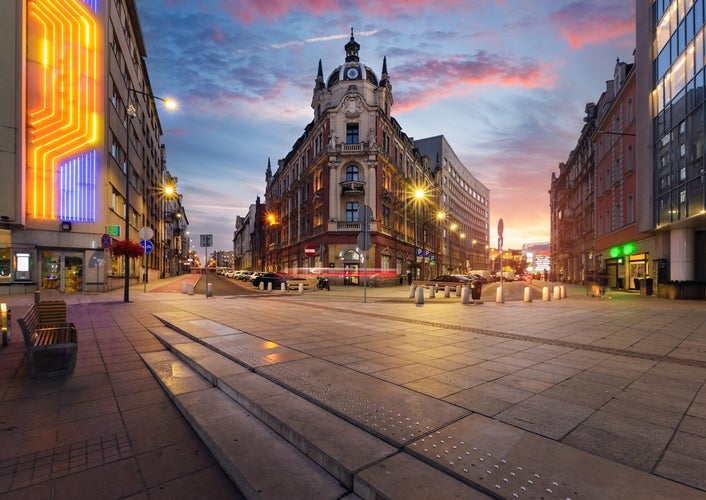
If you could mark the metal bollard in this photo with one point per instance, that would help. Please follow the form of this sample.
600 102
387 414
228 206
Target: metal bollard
301 288
528 294
562 288
545 293
499 295
432 292
459 290
420 295
412 288
282 287
209 290
191 289
557 293
465 295
447 291
184 287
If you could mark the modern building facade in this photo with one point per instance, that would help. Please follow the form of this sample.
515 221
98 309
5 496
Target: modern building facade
80 153
355 169
670 135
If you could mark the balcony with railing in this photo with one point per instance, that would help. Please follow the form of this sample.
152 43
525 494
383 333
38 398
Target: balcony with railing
352 187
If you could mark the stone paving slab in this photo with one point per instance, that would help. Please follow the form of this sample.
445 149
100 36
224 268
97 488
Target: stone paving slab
394 413
513 463
405 477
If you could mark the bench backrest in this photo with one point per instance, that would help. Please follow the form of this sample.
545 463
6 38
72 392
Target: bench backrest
29 324
51 311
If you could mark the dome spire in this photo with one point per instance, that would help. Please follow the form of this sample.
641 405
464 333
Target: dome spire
352 48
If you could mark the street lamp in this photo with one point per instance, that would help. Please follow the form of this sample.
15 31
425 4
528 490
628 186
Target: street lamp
131 113
164 192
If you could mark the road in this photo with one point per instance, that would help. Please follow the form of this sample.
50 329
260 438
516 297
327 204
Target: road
222 286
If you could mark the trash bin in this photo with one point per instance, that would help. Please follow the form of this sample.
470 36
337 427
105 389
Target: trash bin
648 286
476 288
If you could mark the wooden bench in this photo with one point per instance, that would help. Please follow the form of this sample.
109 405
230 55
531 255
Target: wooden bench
52 344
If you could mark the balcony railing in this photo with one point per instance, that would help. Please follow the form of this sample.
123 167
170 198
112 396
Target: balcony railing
352 187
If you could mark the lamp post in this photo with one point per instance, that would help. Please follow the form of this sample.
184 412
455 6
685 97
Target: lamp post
131 113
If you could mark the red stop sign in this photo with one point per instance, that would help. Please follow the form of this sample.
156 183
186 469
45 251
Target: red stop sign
310 250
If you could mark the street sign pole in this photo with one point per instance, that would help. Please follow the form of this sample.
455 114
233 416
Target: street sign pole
501 228
206 241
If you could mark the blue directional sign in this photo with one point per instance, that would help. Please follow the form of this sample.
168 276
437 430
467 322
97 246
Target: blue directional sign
147 245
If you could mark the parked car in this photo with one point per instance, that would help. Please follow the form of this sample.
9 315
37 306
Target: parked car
230 273
244 275
478 277
277 279
452 278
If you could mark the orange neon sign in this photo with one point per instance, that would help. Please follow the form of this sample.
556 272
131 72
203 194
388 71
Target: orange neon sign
62 102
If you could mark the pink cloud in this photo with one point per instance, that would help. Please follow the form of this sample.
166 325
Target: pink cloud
442 79
250 11
588 23
218 35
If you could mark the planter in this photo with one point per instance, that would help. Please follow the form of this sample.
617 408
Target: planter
682 291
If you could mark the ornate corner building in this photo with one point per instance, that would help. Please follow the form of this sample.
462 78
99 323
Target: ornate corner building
354 168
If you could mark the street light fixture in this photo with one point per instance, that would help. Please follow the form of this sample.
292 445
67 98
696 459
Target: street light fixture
131 113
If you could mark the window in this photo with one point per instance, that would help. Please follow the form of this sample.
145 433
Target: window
631 209
352 136
352 211
352 173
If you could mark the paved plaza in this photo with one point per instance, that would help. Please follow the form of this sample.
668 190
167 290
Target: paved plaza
574 398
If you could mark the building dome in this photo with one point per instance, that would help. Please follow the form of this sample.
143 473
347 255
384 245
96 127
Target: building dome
352 70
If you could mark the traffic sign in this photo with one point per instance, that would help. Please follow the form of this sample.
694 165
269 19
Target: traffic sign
364 242
105 240
147 245
309 250
206 240
146 233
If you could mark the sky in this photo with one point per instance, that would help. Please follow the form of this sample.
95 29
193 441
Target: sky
505 81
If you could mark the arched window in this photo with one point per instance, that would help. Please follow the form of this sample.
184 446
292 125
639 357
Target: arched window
352 173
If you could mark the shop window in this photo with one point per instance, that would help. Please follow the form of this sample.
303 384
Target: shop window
5 265
24 266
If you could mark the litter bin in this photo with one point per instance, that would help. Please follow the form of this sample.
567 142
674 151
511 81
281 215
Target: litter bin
476 288
648 286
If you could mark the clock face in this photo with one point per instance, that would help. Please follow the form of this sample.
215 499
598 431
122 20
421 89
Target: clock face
352 73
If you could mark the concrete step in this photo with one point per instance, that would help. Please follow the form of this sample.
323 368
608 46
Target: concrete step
261 463
198 379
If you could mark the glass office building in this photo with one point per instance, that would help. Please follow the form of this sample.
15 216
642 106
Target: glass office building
670 59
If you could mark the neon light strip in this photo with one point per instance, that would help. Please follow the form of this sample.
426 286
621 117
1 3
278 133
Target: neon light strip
63 104
78 188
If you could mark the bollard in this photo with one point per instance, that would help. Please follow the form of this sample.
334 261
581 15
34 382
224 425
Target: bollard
301 288
420 295
432 292
191 289
184 287
545 293
447 291
557 293
261 286
412 289
499 295
209 290
37 297
465 295
528 294
563 291
459 290
282 287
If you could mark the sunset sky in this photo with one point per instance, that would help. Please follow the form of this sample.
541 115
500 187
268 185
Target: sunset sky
505 81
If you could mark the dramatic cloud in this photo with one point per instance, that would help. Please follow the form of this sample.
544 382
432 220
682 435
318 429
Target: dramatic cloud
506 82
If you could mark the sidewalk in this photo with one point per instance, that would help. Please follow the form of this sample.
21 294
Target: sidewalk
619 378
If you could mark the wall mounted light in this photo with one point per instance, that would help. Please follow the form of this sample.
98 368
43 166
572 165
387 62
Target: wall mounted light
66 226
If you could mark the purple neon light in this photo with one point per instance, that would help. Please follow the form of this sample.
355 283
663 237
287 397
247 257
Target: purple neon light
77 188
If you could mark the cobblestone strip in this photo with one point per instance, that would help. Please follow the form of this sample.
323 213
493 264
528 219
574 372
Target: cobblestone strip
26 470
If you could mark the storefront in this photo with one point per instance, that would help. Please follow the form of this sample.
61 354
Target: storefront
68 271
626 271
